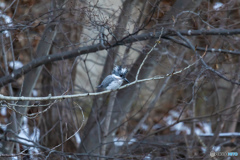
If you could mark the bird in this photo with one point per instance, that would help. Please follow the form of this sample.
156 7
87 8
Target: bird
115 80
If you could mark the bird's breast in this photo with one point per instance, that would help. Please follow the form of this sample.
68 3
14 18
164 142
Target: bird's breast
114 84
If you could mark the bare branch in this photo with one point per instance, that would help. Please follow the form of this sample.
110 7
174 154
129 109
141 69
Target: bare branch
204 63
156 43
97 47
50 97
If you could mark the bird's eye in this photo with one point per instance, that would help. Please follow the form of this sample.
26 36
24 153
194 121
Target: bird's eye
121 75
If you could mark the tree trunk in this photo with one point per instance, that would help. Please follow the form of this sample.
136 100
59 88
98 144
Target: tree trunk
89 138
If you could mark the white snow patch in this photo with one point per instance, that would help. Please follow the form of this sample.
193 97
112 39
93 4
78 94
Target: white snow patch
35 135
6 33
15 64
148 157
230 134
207 127
144 127
2 5
132 141
175 114
7 20
206 134
157 126
198 131
32 137
24 132
78 139
118 141
169 120
217 6
35 93
216 148
4 126
4 111
203 149
179 127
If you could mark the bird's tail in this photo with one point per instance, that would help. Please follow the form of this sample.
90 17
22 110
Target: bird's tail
100 86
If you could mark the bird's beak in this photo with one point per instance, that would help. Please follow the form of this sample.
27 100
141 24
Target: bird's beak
126 80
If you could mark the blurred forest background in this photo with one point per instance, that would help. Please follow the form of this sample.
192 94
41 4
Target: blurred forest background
183 61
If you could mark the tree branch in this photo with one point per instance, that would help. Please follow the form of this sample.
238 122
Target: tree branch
97 47
50 97
204 63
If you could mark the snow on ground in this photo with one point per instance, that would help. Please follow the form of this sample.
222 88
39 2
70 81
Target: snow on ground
27 136
181 127
217 6
2 5
35 93
15 64
230 134
148 157
144 127
120 141
6 19
4 111
78 138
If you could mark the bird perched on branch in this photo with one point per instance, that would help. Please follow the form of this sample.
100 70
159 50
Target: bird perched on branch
115 80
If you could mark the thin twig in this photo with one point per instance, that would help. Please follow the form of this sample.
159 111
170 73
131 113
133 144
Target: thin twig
107 122
156 43
203 62
9 98
97 47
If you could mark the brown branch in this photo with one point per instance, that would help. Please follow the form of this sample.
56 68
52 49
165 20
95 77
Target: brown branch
97 47
202 48
204 63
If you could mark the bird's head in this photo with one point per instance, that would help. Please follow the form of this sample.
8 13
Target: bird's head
121 72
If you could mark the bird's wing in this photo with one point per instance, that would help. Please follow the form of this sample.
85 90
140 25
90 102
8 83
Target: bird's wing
106 81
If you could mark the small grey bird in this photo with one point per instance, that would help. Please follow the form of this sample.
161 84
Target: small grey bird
115 80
